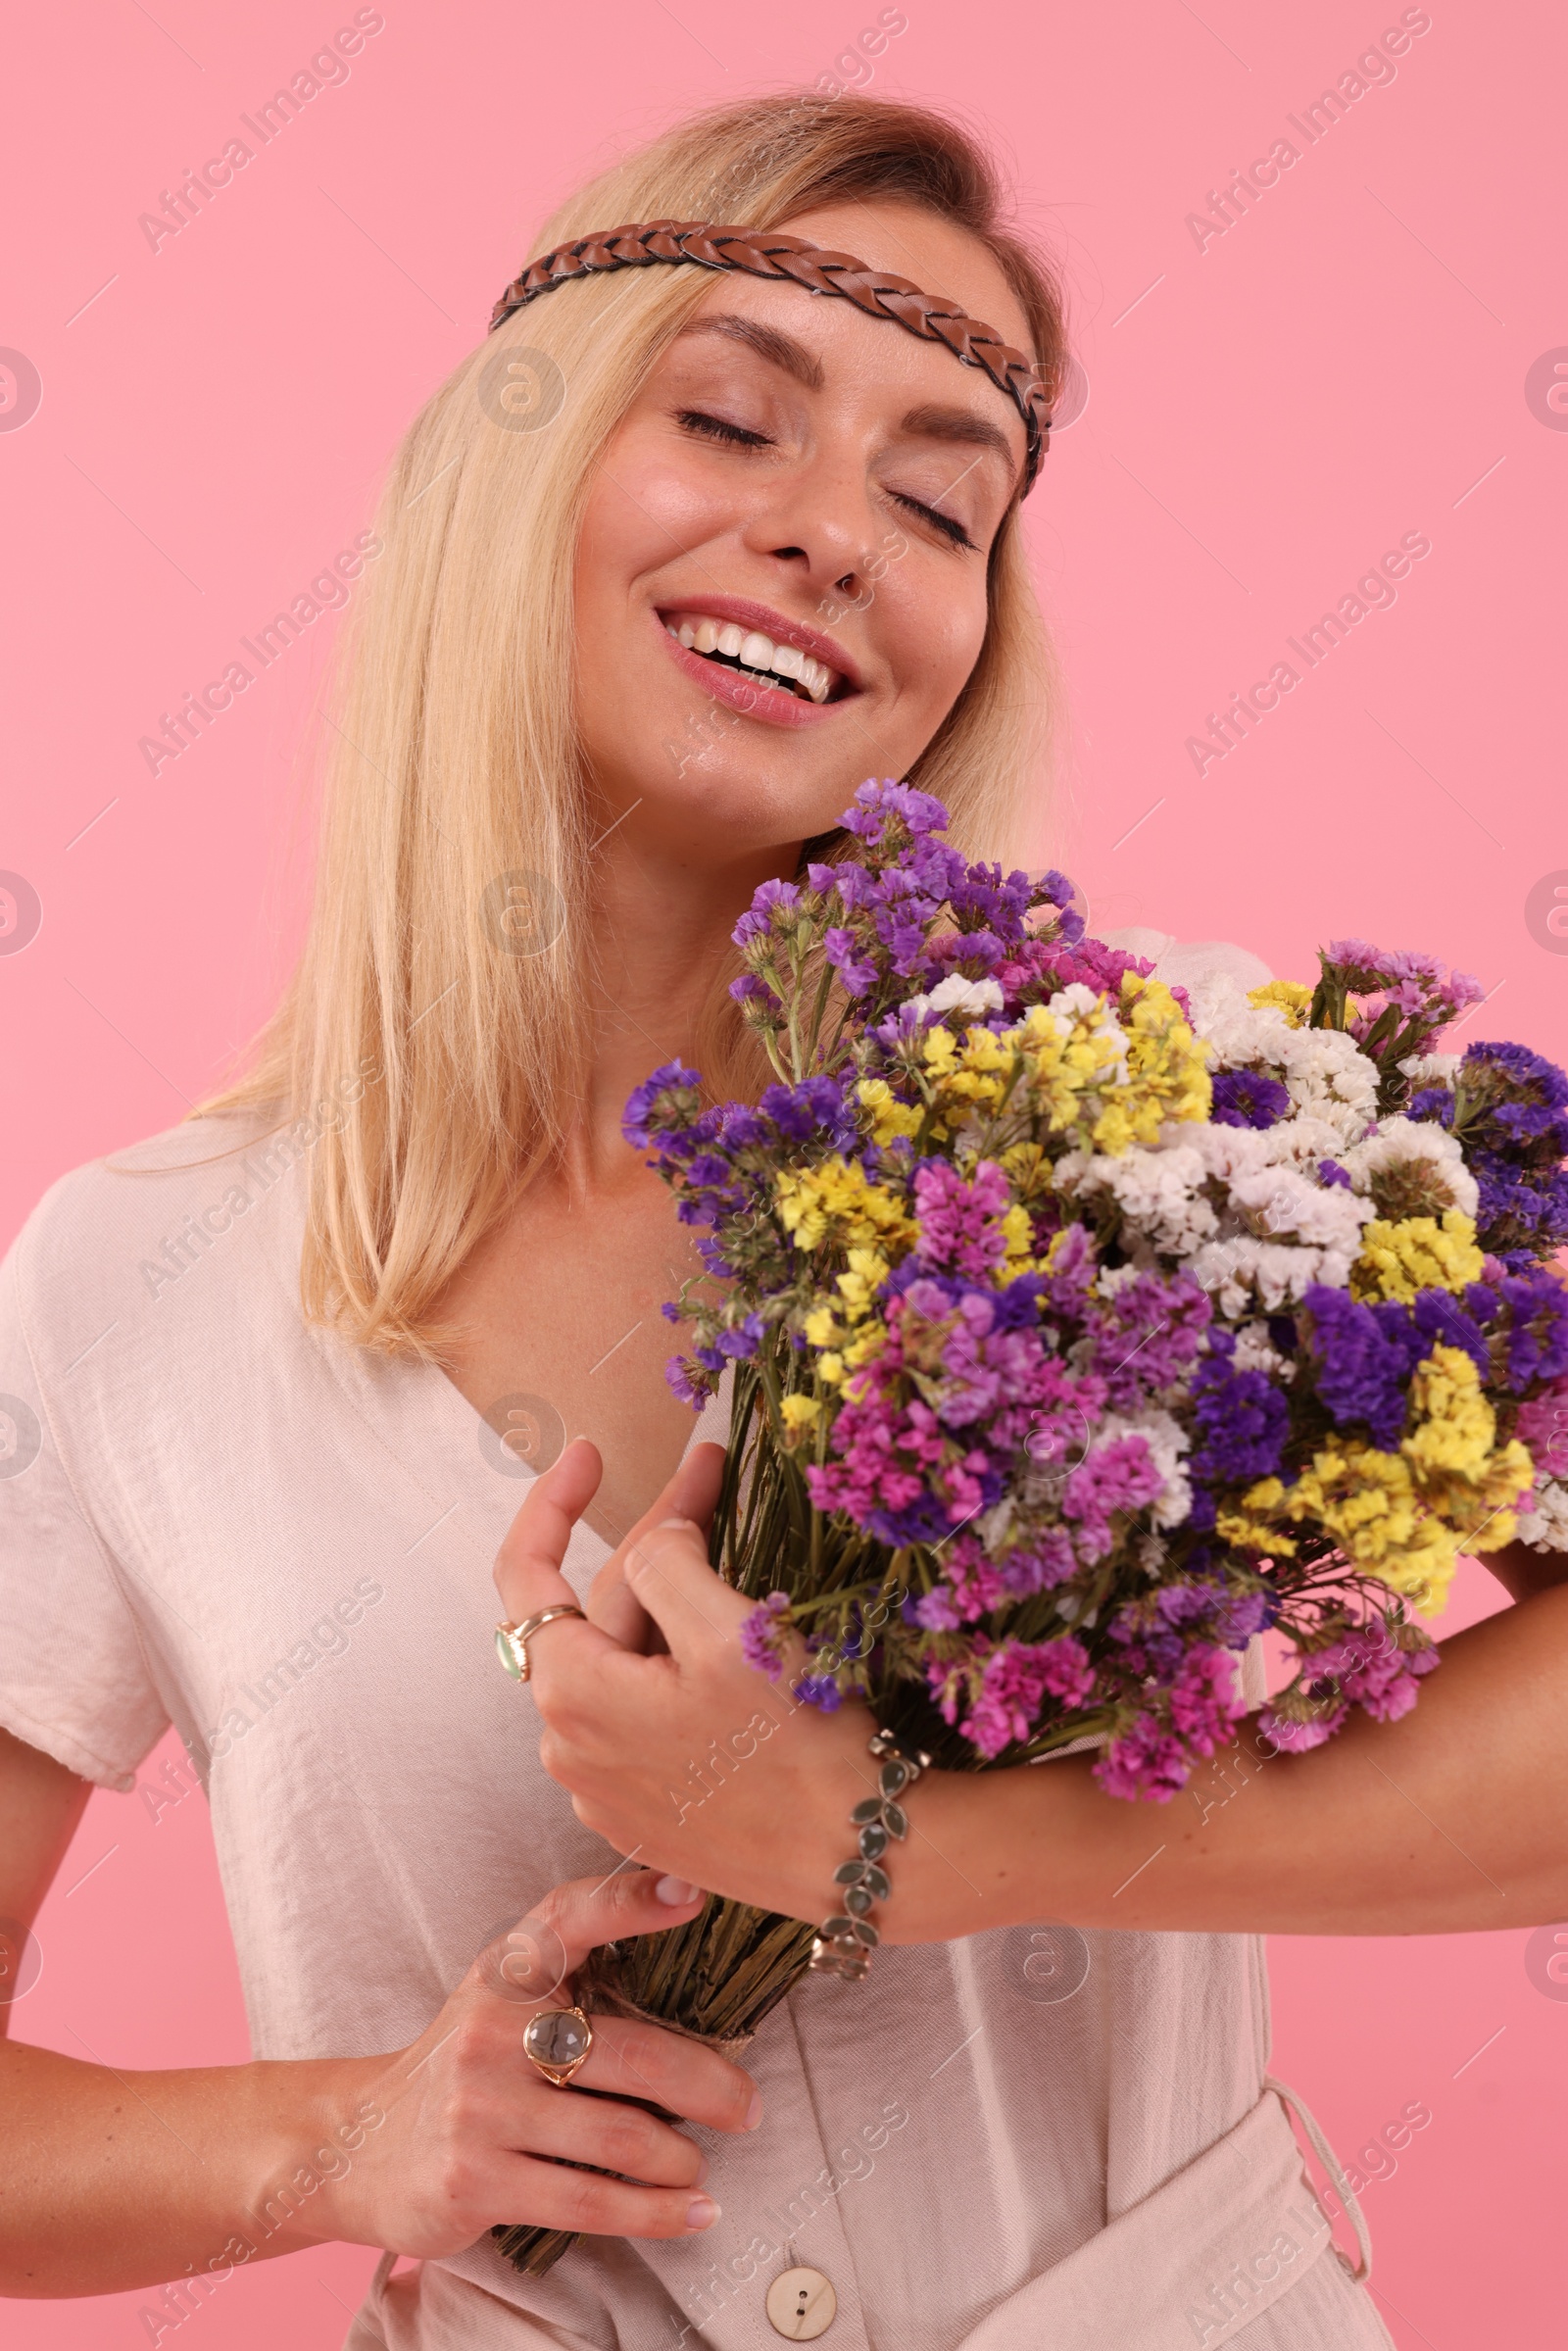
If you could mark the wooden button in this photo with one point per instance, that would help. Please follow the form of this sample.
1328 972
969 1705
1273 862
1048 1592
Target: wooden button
802 2305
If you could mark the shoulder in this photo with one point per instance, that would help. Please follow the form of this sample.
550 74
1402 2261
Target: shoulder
111 1244
1189 963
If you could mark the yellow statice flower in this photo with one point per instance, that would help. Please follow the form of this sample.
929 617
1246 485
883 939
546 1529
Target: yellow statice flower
1027 1169
846 1328
1404 1516
1459 1468
970 1077
1167 1068
1293 996
1065 1059
798 1413
837 1201
890 1118
1417 1254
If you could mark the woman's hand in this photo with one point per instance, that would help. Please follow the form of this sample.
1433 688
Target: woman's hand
467 2120
683 1756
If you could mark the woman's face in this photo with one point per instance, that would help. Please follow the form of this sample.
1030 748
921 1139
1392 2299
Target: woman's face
804 493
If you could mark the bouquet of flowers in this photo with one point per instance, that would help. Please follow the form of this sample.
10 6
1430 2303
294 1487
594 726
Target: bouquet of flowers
1081 1327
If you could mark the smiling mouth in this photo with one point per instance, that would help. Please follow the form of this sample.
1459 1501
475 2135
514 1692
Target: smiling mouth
745 651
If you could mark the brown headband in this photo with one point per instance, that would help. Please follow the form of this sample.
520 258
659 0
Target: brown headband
769 252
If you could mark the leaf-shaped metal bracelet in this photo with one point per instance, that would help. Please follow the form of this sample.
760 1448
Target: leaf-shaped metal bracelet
846 1940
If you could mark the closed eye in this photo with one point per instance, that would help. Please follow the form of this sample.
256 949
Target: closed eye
944 523
717 428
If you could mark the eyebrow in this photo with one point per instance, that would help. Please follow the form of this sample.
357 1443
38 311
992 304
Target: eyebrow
932 422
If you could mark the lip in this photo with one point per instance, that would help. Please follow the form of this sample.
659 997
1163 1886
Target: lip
761 616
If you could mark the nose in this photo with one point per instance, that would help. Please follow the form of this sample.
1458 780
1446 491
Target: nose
817 523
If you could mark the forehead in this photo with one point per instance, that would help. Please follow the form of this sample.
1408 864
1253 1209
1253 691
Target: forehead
907 241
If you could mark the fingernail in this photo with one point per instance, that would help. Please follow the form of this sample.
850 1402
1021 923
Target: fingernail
701 2213
688 1524
754 2112
707 2168
674 1889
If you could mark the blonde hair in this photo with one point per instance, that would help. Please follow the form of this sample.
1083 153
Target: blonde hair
454 795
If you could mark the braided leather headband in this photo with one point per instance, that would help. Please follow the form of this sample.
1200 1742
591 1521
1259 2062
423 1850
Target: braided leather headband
769 252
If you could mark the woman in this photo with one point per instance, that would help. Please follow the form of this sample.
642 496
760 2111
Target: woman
278 1378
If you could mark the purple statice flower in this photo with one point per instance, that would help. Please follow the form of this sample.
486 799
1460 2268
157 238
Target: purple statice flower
1206 1698
763 1634
1535 1313
770 899
1120 1474
1332 1176
1144 1337
819 1691
1240 1421
667 1099
1362 1362
690 1381
1249 1098
1006 1685
857 974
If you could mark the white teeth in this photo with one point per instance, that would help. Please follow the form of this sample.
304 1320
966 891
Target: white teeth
759 652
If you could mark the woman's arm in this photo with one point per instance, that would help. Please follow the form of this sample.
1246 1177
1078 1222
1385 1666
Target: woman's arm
115 2179
1448 1820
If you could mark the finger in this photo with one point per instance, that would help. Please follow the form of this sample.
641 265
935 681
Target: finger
691 1493
667 1572
607 2132
631 2059
529 1566
534 1961
554 2196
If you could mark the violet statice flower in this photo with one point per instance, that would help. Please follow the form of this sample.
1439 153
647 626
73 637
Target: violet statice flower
767 900
1006 1685
763 1632
1543 1427
1146 1760
857 974
875 804
960 1220
1144 1337
1249 1098
1367 1667
1118 1475
819 1691
1332 1176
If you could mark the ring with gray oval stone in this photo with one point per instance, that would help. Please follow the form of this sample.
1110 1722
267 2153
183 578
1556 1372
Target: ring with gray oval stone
558 2041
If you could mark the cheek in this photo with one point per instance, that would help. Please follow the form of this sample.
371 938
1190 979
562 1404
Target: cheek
934 626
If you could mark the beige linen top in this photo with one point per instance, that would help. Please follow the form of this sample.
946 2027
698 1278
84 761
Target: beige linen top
215 1516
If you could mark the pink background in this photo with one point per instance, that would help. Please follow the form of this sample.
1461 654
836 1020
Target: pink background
1346 364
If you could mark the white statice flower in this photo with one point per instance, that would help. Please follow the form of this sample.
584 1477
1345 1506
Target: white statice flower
1246 1275
1328 1077
1545 1527
1430 1069
1167 1441
1238 1034
969 1000
1256 1351
1324 1071
1160 1194
1412 1167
